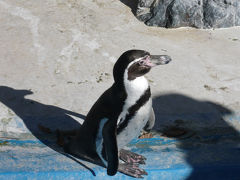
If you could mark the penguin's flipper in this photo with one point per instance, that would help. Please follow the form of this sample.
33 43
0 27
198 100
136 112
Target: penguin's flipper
147 128
131 157
110 146
131 170
150 123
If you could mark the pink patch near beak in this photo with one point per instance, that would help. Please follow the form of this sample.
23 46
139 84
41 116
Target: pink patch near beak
147 62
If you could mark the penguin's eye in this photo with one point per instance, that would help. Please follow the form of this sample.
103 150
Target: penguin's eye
141 63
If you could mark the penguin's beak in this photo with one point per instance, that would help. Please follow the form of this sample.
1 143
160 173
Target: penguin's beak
154 60
159 59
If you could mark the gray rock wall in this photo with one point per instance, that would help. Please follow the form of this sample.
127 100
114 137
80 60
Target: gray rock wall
194 13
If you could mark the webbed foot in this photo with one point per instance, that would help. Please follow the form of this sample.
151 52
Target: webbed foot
131 157
145 135
131 170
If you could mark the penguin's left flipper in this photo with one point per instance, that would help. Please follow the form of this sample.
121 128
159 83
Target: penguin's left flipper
151 122
131 170
131 157
110 146
147 128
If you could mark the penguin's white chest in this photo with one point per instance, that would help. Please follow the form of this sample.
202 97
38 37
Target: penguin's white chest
135 125
134 89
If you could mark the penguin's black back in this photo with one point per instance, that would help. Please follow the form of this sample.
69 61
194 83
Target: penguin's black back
109 105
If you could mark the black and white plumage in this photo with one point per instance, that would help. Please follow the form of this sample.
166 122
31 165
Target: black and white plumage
119 114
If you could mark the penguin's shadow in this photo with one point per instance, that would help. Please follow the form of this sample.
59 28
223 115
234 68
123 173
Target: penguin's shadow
40 119
35 114
182 114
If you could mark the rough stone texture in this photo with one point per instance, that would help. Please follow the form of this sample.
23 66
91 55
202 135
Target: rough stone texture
194 13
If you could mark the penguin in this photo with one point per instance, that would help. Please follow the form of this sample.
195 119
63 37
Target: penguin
118 116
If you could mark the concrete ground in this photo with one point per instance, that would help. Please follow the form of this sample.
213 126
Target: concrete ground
56 58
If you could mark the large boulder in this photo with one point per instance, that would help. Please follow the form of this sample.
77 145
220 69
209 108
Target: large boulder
194 13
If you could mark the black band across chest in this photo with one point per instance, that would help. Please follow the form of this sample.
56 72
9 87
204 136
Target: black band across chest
133 109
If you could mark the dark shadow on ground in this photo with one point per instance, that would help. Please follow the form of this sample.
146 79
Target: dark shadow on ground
131 4
36 115
214 143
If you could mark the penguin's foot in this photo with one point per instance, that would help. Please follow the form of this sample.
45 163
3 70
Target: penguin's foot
131 158
131 170
145 135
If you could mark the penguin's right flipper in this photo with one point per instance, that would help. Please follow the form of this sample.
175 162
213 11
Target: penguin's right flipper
110 146
131 170
131 157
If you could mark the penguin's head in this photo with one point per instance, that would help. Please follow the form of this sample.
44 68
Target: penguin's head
137 63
